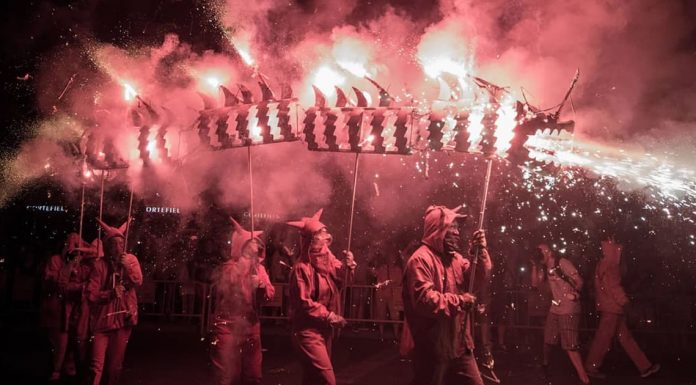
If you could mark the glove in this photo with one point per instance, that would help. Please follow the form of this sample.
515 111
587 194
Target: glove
479 239
119 290
336 320
127 259
466 301
256 282
350 260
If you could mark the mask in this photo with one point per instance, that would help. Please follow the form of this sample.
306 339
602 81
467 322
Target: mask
319 253
452 241
254 251
320 240
114 247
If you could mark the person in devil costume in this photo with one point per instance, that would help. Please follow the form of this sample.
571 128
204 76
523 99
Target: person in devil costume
64 311
113 305
241 286
436 302
315 299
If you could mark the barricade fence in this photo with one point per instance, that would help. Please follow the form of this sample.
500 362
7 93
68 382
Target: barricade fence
519 308
368 305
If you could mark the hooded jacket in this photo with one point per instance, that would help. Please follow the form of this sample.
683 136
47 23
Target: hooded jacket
610 295
64 283
314 290
241 284
431 289
107 312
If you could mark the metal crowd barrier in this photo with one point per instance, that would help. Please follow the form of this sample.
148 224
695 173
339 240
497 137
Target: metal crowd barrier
164 299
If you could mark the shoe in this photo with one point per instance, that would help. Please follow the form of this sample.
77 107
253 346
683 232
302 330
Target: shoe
596 374
55 376
650 371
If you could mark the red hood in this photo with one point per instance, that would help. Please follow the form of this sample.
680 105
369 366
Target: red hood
309 225
437 219
240 237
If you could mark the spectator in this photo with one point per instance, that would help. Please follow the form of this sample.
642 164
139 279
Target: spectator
611 302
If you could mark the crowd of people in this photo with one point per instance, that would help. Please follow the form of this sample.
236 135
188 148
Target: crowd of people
443 287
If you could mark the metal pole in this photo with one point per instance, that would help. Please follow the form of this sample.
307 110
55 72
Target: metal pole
251 189
130 209
482 214
350 232
352 203
82 202
101 209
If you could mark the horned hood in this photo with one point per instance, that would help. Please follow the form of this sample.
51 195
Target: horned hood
437 219
110 232
309 225
240 236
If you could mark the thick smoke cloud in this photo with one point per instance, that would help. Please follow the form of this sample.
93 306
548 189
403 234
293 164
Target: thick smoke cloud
636 88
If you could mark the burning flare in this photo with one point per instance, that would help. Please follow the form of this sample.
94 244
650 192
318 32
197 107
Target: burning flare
129 92
326 79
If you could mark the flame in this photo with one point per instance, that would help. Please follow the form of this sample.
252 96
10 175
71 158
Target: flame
355 68
241 42
245 55
475 127
326 78
442 51
352 54
210 78
436 66
213 81
152 149
129 92
505 125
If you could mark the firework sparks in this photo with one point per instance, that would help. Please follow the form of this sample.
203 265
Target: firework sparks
129 92
241 42
672 182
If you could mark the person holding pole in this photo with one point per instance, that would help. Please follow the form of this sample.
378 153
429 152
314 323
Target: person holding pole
437 303
241 287
63 309
113 305
315 307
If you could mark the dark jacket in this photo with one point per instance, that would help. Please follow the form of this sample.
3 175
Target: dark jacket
431 292
314 295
